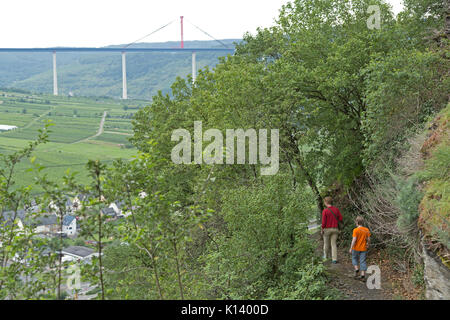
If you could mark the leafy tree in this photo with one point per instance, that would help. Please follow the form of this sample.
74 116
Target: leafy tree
93 223
24 272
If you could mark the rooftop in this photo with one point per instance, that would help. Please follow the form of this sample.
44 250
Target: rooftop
109 211
78 251
4 127
67 220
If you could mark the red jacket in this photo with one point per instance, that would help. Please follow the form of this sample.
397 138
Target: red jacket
328 220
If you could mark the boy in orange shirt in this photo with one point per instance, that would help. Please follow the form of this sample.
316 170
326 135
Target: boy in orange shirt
359 246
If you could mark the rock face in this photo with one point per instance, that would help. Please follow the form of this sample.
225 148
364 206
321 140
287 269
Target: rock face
436 276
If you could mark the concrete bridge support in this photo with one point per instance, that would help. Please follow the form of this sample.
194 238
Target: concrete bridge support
124 76
194 67
55 75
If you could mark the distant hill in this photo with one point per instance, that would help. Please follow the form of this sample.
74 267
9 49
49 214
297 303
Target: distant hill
100 74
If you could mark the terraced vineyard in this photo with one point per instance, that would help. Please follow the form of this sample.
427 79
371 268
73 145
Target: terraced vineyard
73 137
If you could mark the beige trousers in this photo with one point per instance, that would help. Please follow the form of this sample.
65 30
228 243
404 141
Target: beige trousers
330 236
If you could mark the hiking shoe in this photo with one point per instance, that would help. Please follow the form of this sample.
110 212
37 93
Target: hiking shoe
356 274
334 262
362 278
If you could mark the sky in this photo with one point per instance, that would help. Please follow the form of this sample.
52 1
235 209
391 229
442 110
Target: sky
96 23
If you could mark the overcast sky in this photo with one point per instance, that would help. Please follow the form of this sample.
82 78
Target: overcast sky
95 23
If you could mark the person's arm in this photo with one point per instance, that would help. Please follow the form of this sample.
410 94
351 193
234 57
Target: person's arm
353 243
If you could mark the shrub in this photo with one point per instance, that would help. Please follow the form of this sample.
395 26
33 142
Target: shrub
265 251
408 200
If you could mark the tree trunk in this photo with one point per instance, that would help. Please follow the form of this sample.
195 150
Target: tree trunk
309 178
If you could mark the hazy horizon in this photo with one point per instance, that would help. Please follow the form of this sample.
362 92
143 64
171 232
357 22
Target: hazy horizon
86 23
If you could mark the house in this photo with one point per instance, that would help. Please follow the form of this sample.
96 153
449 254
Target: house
77 202
47 223
69 205
44 223
109 212
117 207
77 253
32 206
69 225
9 217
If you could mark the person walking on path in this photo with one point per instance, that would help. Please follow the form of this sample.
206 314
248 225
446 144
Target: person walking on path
331 216
359 246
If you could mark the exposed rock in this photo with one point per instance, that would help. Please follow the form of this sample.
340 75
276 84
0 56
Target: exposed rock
436 276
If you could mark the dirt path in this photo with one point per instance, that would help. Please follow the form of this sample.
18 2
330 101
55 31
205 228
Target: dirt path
119 133
341 275
29 124
99 132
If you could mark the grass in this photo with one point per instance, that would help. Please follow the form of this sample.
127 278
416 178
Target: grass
434 208
114 138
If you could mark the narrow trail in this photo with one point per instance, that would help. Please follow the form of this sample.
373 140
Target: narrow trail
99 132
119 133
341 275
29 124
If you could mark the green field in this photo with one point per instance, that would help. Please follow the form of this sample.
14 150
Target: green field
74 137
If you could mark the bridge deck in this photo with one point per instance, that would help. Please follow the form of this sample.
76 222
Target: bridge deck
86 49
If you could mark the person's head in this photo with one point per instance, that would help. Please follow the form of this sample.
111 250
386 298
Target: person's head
359 221
328 201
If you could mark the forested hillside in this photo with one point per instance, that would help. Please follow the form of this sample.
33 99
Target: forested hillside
100 74
361 117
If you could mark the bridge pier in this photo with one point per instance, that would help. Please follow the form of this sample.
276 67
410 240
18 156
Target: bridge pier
124 76
55 75
194 67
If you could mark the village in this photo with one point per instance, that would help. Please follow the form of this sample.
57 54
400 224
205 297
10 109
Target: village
45 223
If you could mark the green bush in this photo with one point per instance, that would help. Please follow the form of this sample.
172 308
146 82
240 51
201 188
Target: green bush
310 285
79 242
408 200
438 166
418 276
265 251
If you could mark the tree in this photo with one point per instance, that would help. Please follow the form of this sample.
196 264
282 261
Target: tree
93 222
24 272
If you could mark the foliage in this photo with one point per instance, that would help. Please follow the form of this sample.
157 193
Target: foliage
264 246
435 205
408 199
418 276
403 89
155 233
24 272
345 99
311 285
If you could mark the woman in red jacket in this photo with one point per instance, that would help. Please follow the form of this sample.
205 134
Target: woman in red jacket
330 220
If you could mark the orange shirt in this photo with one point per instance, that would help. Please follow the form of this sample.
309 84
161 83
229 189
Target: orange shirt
361 234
